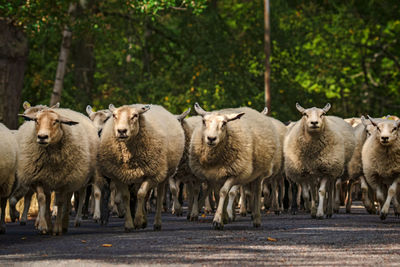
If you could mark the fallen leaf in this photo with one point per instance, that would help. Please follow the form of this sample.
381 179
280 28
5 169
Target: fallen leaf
83 241
203 215
271 239
107 245
23 238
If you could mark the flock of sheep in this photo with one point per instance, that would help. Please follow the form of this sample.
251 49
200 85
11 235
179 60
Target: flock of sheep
128 155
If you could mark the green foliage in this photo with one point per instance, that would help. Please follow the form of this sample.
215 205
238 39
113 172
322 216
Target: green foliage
175 53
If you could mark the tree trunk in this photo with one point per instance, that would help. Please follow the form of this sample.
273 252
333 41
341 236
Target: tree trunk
13 59
62 61
267 50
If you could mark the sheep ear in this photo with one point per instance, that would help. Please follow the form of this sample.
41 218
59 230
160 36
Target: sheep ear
89 110
26 105
144 109
199 110
397 124
183 115
232 117
31 117
265 111
372 121
364 121
111 107
57 105
327 108
300 108
67 121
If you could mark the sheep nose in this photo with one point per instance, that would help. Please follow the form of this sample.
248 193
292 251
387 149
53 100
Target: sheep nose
211 139
42 136
122 131
314 123
384 138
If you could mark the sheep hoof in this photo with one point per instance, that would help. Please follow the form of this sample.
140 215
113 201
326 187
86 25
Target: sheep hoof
157 227
294 211
277 212
383 216
336 210
256 225
319 217
22 223
194 218
43 232
218 226
243 214
328 216
188 217
128 230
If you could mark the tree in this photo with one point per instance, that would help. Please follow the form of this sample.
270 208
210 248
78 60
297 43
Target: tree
13 57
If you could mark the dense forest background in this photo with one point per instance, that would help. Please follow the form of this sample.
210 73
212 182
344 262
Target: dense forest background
176 53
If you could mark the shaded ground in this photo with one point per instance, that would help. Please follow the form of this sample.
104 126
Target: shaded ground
346 239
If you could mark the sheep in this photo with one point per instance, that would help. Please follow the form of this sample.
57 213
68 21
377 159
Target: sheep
234 147
381 162
99 117
141 145
316 151
8 165
58 149
24 190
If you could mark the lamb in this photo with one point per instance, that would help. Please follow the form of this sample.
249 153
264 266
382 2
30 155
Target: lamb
8 167
316 150
142 146
381 162
235 146
58 149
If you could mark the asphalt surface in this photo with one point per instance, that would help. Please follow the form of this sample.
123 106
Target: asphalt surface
346 239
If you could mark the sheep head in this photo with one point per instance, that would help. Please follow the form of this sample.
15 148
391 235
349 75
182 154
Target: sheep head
126 120
386 130
313 118
214 126
99 118
369 128
48 126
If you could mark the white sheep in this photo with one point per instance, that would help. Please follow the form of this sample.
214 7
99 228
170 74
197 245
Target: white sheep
141 145
317 149
58 149
233 147
8 167
381 162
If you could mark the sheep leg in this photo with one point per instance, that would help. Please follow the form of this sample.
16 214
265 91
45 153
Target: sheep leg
366 192
42 224
391 192
61 199
3 202
306 196
27 204
123 191
194 215
298 197
242 202
267 196
55 208
321 199
231 199
82 199
349 199
119 202
66 211
338 190
174 188
97 201
14 214
281 193
160 200
293 192
140 220
256 212
331 196
396 206
275 196
314 195
218 223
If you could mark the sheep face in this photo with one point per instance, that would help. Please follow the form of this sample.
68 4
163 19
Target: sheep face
48 126
386 131
126 121
313 118
99 118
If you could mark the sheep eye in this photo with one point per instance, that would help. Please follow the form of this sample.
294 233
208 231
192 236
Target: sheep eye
134 116
394 129
378 128
204 122
55 122
305 114
223 123
115 116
